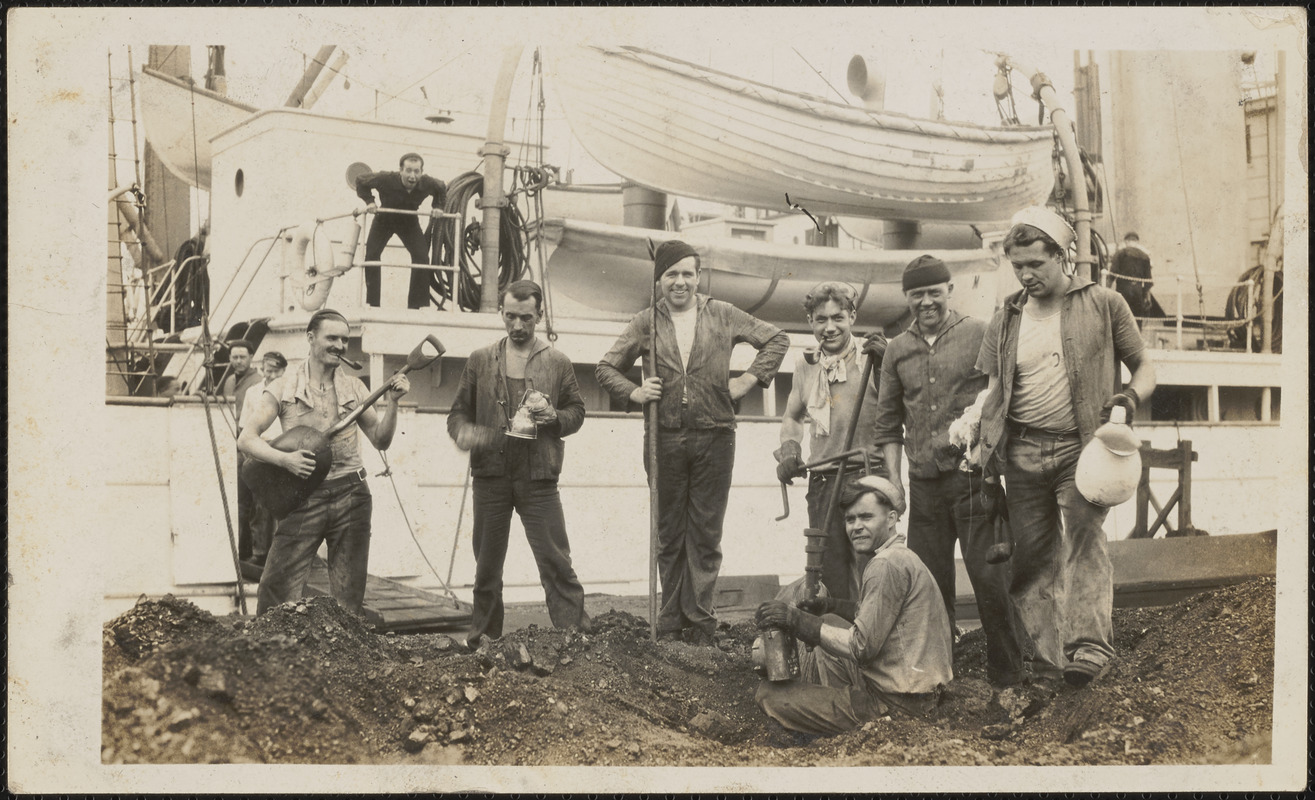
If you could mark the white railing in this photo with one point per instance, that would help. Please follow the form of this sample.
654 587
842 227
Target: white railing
1107 278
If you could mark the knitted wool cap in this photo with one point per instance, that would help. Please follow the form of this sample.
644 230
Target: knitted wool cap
1048 222
668 253
925 271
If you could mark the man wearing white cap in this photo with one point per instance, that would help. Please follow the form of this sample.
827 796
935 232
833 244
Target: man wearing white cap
888 652
1052 354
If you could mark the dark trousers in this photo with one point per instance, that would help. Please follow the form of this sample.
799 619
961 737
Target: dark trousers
255 525
539 506
338 512
408 230
948 507
694 482
841 568
1063 581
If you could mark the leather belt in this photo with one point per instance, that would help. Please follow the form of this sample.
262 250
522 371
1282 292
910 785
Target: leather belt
345 480
1025 432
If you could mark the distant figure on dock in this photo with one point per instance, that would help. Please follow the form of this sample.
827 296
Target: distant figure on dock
689 379
1052 354
887 652
260 531
1134 261
928 379
338 512
404 190
827 387
520 385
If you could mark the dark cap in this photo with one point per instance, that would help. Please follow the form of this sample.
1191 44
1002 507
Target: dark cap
925 271
668 253
277 358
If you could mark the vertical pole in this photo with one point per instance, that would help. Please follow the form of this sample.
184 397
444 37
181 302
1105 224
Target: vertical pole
1268 265
652 423
493 200
1178 311
1251 304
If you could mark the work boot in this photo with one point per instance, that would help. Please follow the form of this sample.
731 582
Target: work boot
699 637
1081 672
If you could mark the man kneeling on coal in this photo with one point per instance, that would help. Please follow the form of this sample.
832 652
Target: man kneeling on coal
888 652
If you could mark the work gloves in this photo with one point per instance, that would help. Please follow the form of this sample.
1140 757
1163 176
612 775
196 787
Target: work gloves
830 605
776 614
875 345
790 462
1127 398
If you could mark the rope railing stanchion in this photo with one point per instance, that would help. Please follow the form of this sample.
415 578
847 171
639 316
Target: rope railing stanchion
1178 308
1251 303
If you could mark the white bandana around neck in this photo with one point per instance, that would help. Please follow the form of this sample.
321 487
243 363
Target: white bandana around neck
817 398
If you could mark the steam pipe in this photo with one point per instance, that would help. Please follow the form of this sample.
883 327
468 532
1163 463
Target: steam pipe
493 200
1043 89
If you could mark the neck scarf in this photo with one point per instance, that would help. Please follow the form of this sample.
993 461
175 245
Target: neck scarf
817 395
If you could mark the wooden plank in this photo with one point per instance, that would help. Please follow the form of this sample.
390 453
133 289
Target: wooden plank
1149 572
393 606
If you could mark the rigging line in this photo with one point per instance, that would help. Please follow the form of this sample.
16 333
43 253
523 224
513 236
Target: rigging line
397 96
1191 236
843 99
461 513
196 159
388 472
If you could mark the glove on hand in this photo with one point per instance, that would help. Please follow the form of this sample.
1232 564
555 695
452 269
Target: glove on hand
775 614
875 345
1127 398
818 606
790 462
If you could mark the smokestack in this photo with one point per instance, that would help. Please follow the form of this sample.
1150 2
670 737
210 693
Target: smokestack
866 83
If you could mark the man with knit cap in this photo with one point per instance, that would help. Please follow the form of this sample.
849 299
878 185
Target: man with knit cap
888 652
690 381
1053 353
928 378
827 386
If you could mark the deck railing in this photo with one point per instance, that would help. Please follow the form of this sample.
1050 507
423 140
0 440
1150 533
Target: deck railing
1183 320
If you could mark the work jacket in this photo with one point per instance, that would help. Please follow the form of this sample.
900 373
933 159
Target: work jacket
924 388
482 399
1098 332
697 394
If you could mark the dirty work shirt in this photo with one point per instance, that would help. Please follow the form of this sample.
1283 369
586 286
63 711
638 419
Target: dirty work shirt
901 635
300 403
926 385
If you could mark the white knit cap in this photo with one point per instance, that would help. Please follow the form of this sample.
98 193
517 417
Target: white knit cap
883 487
1048 222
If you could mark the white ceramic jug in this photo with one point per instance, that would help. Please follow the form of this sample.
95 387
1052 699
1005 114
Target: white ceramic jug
1109 468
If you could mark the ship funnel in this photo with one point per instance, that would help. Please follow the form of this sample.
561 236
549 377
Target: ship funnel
866 83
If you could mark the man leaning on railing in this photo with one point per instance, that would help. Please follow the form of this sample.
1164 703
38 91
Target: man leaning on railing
404 190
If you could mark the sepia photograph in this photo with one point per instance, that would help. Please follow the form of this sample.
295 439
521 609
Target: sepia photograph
650 399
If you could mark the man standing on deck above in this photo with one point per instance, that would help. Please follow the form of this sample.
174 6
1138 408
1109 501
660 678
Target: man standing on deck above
519 373
696 420
1053 353
827 386
887 652
929 377
402 190
338 512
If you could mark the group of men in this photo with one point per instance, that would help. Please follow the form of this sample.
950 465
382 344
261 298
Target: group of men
1044 373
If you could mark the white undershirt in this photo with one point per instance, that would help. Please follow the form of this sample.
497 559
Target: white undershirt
685 323
1042 397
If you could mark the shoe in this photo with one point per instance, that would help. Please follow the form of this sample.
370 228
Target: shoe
699 637
669 636
1081 672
